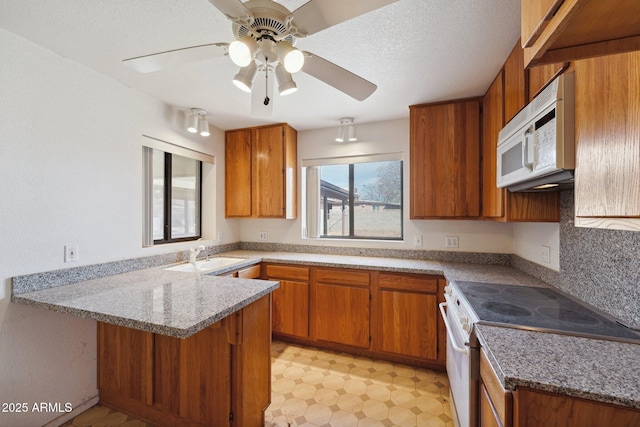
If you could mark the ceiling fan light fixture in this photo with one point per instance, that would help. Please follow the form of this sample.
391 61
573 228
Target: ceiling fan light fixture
241 51
244 79
291 58
286 85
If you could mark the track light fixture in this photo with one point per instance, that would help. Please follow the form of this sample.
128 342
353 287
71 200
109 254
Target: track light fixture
347 130
196 122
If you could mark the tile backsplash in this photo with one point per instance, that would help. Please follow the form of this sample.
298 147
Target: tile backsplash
601 267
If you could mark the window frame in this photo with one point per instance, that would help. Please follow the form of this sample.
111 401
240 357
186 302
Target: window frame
351 162
150 144
168 201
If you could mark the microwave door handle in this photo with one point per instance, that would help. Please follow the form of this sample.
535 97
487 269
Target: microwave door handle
527 145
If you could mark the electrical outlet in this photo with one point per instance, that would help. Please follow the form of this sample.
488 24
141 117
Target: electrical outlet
451 242
263 235
219 237
545 254
71 253
417 240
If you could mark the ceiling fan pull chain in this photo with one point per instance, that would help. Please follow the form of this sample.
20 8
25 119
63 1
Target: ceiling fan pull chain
266 82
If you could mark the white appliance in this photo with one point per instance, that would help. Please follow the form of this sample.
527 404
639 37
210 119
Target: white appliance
536 148
463 358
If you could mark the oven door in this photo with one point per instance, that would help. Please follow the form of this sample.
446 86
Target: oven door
461 358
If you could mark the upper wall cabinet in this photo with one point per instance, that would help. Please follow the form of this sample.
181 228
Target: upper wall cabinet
607 188
505 97
445 160
261 172
556 31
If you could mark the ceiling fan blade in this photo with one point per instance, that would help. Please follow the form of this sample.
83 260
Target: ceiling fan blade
317 15
336 76
232 9
171 58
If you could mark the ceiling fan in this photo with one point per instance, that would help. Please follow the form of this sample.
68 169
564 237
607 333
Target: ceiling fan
265 33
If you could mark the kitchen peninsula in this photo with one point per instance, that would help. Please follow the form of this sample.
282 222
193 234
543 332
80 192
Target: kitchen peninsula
177 349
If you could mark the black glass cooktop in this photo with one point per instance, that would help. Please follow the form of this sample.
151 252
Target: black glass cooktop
542 309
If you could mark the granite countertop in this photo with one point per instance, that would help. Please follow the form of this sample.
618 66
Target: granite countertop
156 300
600 370
180 304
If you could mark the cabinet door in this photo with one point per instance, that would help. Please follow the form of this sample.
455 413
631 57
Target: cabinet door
408 324
607 187
445 160
290 302
492 122
193 376
515 89
291 308
407 317
125 364
342 307
252 365
268 173
488 416
237 174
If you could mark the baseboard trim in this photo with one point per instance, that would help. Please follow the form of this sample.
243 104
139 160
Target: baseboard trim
77 410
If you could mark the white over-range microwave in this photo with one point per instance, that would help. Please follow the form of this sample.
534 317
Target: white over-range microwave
536 148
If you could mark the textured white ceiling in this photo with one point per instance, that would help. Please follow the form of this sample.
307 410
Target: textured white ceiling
416 51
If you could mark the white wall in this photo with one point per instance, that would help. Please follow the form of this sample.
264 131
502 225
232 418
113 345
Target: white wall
528 239
71 173
381 137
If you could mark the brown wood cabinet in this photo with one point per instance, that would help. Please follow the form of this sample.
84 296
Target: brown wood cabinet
445 160
261 172
342 307
535 408
407 318
607 187
290 306
392 316
509 88
219 374
556 31
496 404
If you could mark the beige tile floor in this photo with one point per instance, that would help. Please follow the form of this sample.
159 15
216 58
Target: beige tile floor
313 387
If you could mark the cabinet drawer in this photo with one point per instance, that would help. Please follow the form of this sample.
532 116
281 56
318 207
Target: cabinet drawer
252 272
408 282
276 271
343 277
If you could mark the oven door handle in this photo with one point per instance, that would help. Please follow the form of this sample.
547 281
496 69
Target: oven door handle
452 338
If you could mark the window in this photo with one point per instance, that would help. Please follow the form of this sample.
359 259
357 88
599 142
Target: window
357 198
173 196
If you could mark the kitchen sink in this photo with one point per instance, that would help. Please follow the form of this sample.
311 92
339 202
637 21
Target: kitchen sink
206 265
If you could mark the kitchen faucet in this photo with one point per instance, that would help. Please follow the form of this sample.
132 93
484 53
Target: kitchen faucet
193 253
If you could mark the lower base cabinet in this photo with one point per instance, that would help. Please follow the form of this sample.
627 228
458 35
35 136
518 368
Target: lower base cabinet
535 408
496 404
408 315
220 376
386 315
527 407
